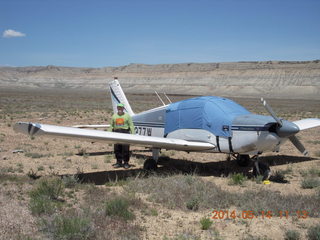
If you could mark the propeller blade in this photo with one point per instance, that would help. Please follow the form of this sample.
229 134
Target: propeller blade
272 113
295 141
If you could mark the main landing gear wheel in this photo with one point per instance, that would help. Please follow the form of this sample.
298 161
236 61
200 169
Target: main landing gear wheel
150 164
262 169
243 160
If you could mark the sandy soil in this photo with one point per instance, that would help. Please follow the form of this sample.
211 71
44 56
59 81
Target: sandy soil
20 155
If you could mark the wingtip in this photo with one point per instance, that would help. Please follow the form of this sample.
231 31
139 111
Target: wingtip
26 128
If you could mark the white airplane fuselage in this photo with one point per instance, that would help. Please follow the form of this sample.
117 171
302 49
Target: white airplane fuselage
245 139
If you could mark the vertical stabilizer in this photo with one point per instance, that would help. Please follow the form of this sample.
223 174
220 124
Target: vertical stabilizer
117 96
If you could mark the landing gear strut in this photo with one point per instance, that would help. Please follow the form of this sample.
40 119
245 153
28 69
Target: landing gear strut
260 168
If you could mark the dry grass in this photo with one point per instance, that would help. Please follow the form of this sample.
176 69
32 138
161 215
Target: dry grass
179 191
162 205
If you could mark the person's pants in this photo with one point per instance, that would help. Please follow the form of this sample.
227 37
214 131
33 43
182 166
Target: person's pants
122 151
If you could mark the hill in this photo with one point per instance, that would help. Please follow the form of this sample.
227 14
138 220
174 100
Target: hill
273 79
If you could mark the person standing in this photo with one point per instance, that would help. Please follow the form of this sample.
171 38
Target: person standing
121 122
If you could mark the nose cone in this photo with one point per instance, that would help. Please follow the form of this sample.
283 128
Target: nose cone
287 129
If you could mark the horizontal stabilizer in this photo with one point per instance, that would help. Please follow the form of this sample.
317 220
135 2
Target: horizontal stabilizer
307 123
36 129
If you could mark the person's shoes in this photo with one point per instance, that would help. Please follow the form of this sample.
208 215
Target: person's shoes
117 165
126 165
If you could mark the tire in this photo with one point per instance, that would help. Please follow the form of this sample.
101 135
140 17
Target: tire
150 164
243 160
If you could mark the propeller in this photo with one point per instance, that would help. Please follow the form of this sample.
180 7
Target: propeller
296 142
272 113
286 129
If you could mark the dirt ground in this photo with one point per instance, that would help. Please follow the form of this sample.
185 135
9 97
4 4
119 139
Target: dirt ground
21 155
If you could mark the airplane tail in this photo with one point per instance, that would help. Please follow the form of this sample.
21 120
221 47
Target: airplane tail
118 96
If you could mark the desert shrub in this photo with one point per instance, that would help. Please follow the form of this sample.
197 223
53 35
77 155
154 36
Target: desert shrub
70 181
193 204
51 188
315 172
44 198
182 191
310 183
120 182
32 174
258 201
292 235
41 168
205 223
110 227
237 179
314 232
82 151
12 178
178 191
34 155
153 212
278 176
258 179
41 205
119 206
69 227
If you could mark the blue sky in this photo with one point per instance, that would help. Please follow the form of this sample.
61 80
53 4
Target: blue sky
100 33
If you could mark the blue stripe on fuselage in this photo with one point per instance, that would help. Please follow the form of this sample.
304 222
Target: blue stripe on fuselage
249 128
145 124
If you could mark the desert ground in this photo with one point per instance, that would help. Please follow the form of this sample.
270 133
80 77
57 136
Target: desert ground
182 199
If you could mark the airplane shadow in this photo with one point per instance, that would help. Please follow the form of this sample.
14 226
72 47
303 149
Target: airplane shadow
170 166
284 159
108 153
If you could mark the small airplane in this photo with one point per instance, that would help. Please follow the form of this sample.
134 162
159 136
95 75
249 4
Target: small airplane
201 124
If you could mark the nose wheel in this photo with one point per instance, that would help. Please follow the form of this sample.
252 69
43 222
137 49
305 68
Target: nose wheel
243 160
259 168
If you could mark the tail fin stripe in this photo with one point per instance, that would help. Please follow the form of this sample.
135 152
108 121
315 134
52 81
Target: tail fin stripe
116 98
114 95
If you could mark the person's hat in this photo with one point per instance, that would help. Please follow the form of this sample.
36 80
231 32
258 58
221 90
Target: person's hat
120 105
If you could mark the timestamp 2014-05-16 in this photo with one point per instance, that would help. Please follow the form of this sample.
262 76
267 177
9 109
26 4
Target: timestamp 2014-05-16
268 214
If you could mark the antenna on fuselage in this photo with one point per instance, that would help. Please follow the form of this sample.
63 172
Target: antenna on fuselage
160 98
167 97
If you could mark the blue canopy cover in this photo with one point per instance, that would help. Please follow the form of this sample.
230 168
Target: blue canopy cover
214 114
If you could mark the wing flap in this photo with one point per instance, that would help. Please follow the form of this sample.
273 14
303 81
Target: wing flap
307 123
36 129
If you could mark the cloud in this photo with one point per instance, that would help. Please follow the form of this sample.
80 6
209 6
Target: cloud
12 33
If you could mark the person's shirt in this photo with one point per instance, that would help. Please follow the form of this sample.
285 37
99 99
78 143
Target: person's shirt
122 122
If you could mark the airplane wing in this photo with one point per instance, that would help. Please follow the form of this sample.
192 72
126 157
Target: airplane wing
92 126
307 123
37 129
